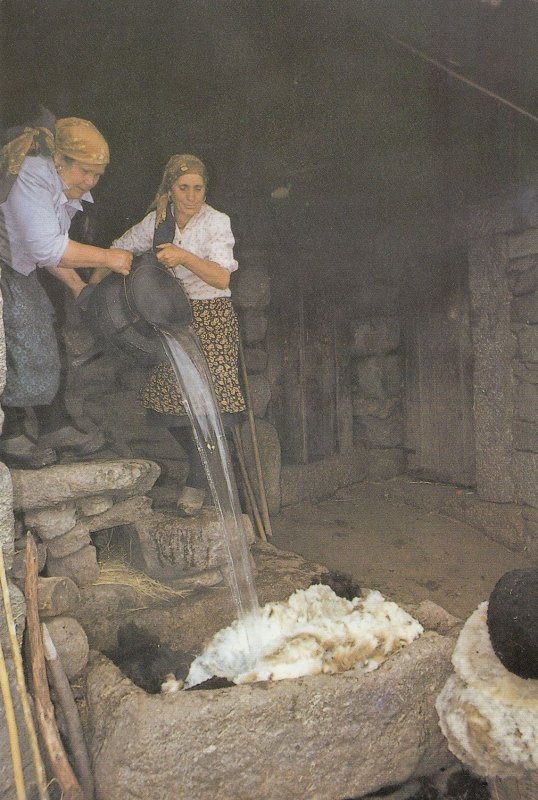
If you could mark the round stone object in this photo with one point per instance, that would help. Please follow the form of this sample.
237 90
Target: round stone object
512 621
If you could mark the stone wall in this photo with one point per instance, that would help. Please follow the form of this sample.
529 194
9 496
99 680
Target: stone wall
522 277
503 259
377 395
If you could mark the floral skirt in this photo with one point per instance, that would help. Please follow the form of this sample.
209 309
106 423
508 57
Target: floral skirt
215 323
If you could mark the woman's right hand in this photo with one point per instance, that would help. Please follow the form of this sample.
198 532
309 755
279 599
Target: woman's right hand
119 260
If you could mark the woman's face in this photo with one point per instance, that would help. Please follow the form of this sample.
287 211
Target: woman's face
188 195
79 178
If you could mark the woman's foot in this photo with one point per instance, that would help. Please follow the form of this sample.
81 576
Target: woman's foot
190 501
21 451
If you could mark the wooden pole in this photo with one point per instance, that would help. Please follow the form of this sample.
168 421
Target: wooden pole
13 733
59 762
251 498
21 685
64 693
257 461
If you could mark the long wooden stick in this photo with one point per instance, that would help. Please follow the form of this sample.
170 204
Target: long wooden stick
257 461
21 685
59 762
64 693
251 498
13 733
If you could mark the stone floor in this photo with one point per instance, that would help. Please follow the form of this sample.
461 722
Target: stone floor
408 553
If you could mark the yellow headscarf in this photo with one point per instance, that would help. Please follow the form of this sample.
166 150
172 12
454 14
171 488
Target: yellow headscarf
76 138
30 141
80 140
177 166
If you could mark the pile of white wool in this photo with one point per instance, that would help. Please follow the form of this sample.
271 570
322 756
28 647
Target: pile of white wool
488 715
313 632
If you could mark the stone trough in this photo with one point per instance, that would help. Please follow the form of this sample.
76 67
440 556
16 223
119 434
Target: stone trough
326 737
331 737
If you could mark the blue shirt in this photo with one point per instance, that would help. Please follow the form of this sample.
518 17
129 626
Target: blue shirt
36 217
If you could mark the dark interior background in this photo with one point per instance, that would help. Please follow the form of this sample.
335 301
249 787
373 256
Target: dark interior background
313 95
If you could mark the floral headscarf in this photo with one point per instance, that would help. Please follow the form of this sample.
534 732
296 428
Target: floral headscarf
177 166
75 138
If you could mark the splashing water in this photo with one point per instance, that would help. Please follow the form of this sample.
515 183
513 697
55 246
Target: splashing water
188 361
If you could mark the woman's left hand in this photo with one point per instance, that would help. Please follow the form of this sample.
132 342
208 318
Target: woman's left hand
169 255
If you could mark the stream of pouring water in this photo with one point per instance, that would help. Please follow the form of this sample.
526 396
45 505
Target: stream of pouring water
188 361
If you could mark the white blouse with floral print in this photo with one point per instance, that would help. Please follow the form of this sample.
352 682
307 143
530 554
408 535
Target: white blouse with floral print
208 234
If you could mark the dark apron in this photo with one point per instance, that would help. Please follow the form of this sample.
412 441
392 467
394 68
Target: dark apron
32 356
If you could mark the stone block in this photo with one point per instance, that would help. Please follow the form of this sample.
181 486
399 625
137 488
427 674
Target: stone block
326 733
492 375
434 618
252 288
71 644
526 478
385 462
270 457
172 546
501 522
371 407
379 377
321 479
253 326
52 486
81 566
524 310
91 506
51 522
530 528
57 596
255 359
380 432
376 337
260 394
526 402
123 513
527 339
18 609
18 568
75 539
527 371
7 522
524 281
525 435
173 470
523 244
132 378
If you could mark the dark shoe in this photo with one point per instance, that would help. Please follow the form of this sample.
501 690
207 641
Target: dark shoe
21 451
69 438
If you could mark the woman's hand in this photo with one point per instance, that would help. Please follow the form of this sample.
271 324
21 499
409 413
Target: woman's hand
170 255
119 260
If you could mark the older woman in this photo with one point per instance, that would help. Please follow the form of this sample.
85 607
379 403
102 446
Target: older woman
196 242
48 174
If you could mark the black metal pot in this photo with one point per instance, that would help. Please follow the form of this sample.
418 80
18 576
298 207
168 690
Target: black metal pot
124 312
